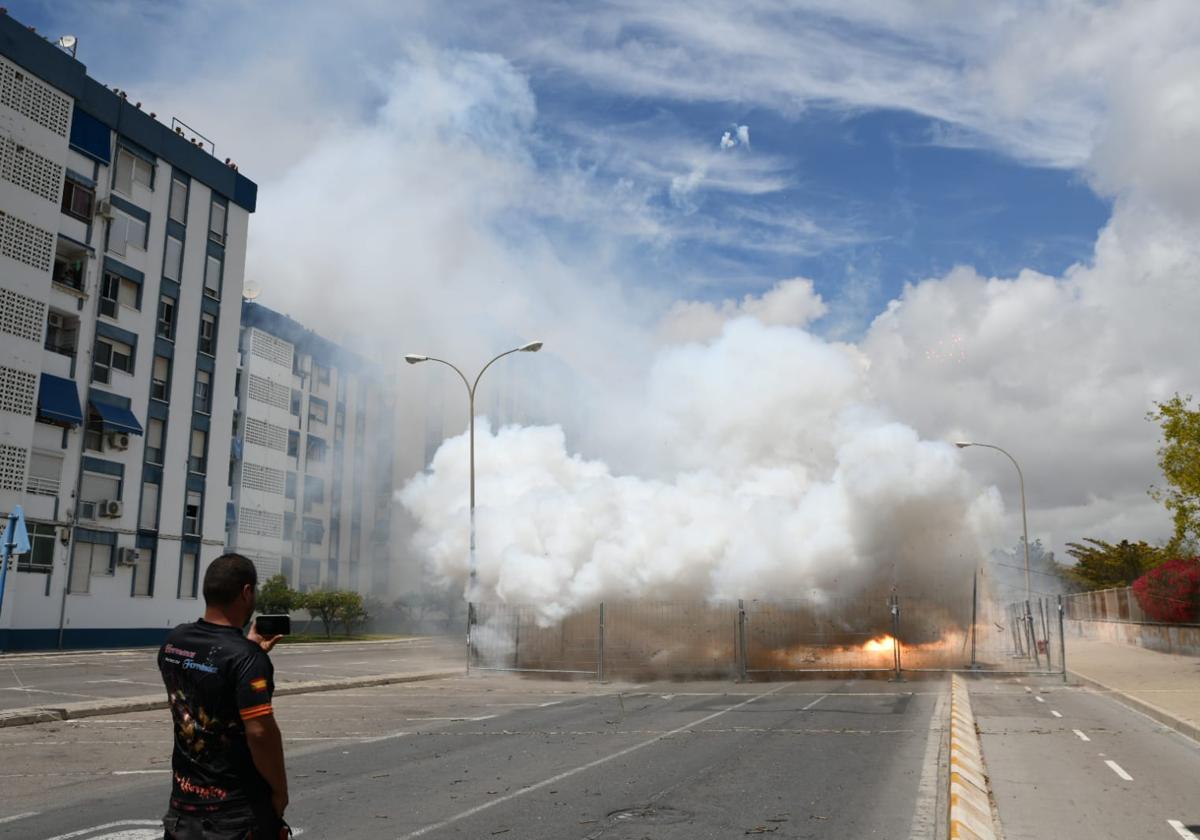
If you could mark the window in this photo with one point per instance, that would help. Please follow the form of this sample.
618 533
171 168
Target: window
110 355
93 434
321 372
294 444
166 318
143 573
202 400
148 519
314 530
95 488
69 267
78 200
160 379
191 513
62 331
216 222
197 456
289 490
45 473
295 402
90 559
314 492
130 170
208 334
315 449
289 525
124 231
154 441
212 277
117 291
110 291
41 550
179 195
173 259
318 410
189 566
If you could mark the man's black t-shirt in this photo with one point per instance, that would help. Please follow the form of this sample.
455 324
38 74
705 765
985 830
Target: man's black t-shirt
216 679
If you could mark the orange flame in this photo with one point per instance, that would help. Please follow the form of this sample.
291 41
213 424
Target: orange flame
880 644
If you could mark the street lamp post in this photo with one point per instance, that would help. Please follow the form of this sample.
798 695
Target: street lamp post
1024 522
414 358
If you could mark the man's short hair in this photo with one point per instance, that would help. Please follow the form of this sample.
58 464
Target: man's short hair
225 578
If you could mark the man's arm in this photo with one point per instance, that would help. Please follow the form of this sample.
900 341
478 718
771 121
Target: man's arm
266 748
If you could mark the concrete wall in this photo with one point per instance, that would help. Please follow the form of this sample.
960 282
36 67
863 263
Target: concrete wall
1165 638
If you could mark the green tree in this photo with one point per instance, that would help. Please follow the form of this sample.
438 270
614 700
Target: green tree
275 596
322 604
1102 565
350 610
1179 460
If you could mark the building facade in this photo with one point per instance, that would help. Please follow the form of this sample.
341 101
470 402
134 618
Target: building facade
311 470
122 248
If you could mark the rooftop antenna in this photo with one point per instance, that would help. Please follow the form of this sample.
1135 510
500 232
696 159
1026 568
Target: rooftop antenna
68 43
251 291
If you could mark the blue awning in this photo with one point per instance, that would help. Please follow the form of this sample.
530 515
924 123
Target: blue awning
114 418
58 401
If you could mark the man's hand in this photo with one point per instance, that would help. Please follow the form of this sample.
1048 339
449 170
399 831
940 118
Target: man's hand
265 644
279 801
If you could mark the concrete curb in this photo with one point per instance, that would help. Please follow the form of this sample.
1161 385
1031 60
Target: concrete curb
149 702
970 804
1158 714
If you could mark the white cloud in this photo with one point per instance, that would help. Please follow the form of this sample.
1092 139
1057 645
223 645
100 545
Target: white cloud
791 303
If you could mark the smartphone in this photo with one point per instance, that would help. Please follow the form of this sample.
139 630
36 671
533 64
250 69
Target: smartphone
273 625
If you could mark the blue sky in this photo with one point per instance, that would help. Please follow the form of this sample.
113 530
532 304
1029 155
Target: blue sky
859 197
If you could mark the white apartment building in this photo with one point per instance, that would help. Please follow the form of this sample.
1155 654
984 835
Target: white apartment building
312 464
122 247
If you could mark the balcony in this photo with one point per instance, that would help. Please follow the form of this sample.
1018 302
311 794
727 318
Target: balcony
70 265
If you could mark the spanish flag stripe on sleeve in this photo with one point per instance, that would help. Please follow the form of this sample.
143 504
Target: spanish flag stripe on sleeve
256 711
259 684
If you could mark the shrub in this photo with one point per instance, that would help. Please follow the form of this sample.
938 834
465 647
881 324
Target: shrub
274 596
1171 591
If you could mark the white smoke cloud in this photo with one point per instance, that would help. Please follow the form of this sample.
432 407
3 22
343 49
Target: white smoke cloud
789 481
739 136
789 303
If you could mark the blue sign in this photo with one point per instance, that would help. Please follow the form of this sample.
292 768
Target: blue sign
14 541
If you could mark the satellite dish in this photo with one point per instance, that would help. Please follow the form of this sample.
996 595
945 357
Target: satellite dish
68 43
251 291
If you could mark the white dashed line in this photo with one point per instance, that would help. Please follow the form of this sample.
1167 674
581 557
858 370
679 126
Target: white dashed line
1056 714
1116 768
1082 737
1041 699
1182 830
137 772
16 817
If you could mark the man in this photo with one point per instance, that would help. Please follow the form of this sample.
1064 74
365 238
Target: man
227 765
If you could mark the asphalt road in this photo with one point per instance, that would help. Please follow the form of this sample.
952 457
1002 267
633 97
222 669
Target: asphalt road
506 757
1067 762
47 679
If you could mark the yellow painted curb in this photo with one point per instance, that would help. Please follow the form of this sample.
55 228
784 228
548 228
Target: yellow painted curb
970 812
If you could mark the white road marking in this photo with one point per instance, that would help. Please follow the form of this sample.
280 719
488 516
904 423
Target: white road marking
137 772
925 815
1040 699
121 824
481 717
470 812
551 703
815 702
1028 689
1116 768
1182 830
1056 714
390 736
1082 737
16 817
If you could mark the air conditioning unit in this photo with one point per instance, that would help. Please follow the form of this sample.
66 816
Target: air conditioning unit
118 440
104 209
112 508
55 320
127 556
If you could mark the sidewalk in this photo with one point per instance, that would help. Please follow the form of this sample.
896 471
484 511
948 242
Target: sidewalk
1162 685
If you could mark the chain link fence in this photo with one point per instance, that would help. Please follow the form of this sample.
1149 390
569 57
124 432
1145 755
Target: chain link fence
1105 605
643 640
